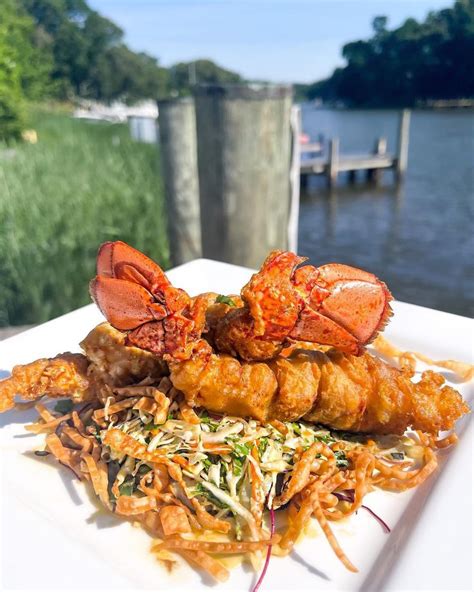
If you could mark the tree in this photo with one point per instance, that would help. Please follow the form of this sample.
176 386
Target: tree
415 62
90 59
184 74
25 66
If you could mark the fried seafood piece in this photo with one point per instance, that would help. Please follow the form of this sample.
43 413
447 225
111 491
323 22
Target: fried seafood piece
333 304
344 392
62 376
107 362
115 362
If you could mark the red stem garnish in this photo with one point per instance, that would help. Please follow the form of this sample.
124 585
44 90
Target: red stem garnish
383 524
269 552
348 496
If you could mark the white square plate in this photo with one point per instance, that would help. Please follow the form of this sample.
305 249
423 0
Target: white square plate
55 537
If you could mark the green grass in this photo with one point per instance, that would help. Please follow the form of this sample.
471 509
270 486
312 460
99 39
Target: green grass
80 185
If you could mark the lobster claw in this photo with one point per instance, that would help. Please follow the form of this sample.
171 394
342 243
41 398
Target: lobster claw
124 304
347 307
333 304
134 294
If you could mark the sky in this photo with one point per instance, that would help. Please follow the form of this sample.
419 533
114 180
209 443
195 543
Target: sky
276 40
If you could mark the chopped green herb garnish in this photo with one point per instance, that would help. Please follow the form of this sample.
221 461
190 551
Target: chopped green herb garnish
241 449
341 459
150 426
143 470
296 428
213 425
221 299
262 446
238 465
199 489
325 437
64 406
127 486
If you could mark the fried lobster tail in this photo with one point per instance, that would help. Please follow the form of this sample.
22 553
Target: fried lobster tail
344 392
335 304
62 376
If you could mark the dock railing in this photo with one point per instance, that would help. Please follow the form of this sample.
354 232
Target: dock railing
373 163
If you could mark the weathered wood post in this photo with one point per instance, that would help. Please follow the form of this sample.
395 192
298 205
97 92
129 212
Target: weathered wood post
380 148
333 162
403 139
180 171
244 170
295 184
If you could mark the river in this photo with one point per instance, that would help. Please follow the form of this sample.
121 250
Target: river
419 238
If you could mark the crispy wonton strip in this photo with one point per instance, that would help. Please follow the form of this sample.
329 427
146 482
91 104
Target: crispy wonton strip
84 443
129 505
207 563
174 520
463 370
208 521
98 474
99 414
65 456
188 414
121 442
400 480
38 428
298 519
175 542
300 475
447 441
320 517
44 413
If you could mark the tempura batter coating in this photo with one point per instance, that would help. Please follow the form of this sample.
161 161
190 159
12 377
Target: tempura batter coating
118 364
357 394
62 376
108 363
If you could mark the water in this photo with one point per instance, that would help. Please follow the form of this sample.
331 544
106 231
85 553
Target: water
419 239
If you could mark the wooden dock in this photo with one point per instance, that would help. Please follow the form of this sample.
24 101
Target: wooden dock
374 163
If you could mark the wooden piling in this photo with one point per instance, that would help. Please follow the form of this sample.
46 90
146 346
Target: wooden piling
403 140
293 216
180 171
380 149
244 148
333 163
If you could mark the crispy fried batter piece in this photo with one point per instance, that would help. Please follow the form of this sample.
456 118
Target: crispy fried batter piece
62 376
108 361
358 394
118 364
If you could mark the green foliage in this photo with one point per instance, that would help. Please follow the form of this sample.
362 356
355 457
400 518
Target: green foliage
121 73
82 184
13 42
184 74
416 62
90 59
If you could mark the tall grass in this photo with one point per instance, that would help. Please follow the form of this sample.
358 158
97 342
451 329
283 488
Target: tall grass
80 185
